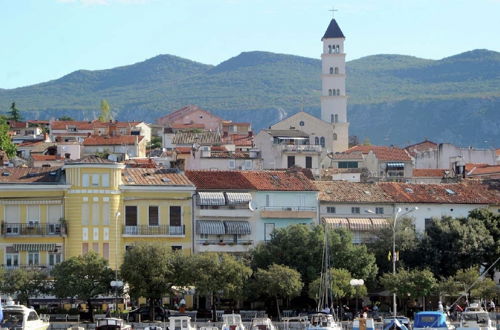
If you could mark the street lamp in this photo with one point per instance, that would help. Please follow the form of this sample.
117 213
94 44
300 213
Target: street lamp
355 282
396 216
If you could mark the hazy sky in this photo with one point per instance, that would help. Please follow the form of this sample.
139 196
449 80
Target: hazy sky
42 40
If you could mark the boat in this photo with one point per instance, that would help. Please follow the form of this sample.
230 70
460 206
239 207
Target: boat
363 323
112 323
475 318
324 318
232 322
180 322
20 317
396 323
262 323
430 320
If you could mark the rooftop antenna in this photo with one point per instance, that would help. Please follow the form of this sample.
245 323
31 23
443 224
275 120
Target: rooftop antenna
333 10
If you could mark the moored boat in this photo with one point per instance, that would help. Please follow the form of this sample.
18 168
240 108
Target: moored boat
363 323
111 323
232 322
180 322
262 323
19 317
431 321
475 318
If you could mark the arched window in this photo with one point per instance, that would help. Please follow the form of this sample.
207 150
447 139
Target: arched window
331 70
301 123
334 136
322 141
329 49
316 140
331 118
336 70
330 92
338 91
337 49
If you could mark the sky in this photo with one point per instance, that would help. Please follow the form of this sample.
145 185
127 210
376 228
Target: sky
42 40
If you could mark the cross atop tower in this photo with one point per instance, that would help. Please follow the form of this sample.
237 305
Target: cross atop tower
333 10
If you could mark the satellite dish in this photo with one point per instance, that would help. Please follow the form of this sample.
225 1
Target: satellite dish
251 206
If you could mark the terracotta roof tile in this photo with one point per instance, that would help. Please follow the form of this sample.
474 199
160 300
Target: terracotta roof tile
63 125
180 113
32 175
141 162
183 150
219 180
91 159
429 172
17 124
485 170
153 176
382 152
96 140
279 180
421 146
344 191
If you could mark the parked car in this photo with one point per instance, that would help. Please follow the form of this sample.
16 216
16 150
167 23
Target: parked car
142 314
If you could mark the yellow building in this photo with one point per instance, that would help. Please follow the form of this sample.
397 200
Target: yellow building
90 204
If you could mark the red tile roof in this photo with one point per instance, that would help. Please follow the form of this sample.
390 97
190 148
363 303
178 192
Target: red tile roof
343 191
382 152
239 140
182 126
468 192
489 170
153 176
219 180
17 124
45 157
470 166
180 113
31 175
96 140
63 124
141 162
183 150
429 172
279 180
421 146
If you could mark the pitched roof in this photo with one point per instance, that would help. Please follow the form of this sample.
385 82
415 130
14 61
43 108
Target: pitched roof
382 152
180 113
279 180
219 180
31 175
348 156
429 172
421 146
63 124
153 176
239 140
194 137
467 192
17 124
333 30
96 140
344 191
488 170
140 162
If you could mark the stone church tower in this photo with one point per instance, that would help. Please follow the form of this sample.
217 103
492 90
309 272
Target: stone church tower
333 91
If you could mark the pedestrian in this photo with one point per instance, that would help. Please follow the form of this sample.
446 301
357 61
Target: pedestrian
491 306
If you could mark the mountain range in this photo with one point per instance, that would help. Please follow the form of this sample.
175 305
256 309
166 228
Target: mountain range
393 99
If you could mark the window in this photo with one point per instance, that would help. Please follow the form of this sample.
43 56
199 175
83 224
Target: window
176 247
153 216
85 180
12 259
379 210
309 162
95 179
337 49
54 213
248 164
301 123
348 165
95 214
85 248
334 118
34 258
105 251
130 215
95 247
175 216
338 92
331 70
334 136
428 223
204 236
55 258
330 92
330 209
232 164
268 200
105 180
33 214
322 141
12 214
336 70
268 230
329 49
355 210
105 214
85 214
290 161
316 142
32 316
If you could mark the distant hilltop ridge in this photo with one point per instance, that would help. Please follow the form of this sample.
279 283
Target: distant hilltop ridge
393 99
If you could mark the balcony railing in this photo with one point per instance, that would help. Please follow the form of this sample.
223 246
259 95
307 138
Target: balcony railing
301 148
33 229
161 230
289 208
225 242
39 267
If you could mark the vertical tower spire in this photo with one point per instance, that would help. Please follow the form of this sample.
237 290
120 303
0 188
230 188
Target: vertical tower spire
333 93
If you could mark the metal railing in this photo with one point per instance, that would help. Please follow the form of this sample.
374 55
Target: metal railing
289 208
225 242
163 230
301 147
33 229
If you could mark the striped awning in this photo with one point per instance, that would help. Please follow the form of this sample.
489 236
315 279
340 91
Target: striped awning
210 227
30 202
395 164
336 222
35 247
238 198
360 224
237 227
211 198
379 223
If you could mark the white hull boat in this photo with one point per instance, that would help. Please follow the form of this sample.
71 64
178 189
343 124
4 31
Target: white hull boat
19 317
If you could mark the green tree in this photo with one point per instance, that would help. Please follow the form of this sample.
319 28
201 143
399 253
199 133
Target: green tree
151 270
14 113
486 289
492 224
217 274
105 115
5 141
65 118
279 281
339 283
24 283
83 277
156 142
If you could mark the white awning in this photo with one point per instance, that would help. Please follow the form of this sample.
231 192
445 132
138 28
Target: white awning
238 198
211 198
35 247
30 202
210 227
336 222
237 227
394 164
360 224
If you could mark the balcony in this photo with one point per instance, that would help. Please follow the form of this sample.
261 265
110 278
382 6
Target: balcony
39 267
148 231
33 229
224 246
297 148
288 212
226 211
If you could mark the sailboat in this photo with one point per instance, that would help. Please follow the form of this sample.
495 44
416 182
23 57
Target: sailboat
324 318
